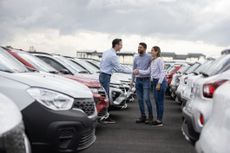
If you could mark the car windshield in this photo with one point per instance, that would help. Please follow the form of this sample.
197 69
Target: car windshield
217 65
36 62
9 64
193 68
95 63
184 68
86 65
203 66
71 65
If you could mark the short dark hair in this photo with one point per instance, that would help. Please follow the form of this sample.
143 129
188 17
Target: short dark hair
143 45
158 50
116 42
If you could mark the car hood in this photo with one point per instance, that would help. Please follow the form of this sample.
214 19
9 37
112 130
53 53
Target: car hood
91 83
52 82
114 79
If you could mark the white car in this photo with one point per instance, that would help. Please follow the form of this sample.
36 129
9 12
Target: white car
57 112
183 81
12 135
186 94
198 109
176 79
215 136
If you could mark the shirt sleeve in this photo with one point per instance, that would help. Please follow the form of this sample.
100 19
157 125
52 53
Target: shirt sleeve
134 67
118 67
145 72
161 71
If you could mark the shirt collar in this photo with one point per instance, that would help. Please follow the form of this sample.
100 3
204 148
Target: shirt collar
113 50
142 54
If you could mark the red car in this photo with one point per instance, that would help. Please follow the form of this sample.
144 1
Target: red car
35 64
171 72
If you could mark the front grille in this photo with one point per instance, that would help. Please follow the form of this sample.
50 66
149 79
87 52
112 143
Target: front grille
115 95
87 105
87 139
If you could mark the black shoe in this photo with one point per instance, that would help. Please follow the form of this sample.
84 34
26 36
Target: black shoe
108 121
141 119
149 120
158 123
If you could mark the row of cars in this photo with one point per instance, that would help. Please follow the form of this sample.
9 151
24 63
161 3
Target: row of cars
202 90
59 98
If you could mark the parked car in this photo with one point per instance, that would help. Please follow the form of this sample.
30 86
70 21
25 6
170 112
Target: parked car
169 74
197 110
33 62
215 136
183 82
176 79
186 93
58 113
12 135
124 79
60 63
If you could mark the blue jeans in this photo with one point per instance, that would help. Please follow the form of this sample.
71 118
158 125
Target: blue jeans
105 82
159 98
143 94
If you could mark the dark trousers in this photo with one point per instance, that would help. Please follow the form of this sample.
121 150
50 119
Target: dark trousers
159 98
143 95
105 82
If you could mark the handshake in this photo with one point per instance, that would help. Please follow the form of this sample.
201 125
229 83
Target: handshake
136 72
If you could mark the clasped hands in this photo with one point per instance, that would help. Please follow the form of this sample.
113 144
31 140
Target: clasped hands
136 72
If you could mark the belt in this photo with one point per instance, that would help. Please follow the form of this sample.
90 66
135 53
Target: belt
105 73
144 78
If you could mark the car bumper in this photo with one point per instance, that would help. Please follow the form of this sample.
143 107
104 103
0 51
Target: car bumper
62 131
187 126
117 97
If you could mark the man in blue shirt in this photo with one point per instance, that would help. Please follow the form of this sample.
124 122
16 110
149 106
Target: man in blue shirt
142 62
109 64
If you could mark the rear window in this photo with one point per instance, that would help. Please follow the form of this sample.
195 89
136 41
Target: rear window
218 66
205 65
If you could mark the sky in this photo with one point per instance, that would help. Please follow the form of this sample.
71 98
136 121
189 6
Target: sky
65 26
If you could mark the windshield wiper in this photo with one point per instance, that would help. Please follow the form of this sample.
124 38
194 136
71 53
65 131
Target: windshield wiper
9 71
54 72
204 74
83 71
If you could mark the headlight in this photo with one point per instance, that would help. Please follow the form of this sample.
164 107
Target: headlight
51 99
94 90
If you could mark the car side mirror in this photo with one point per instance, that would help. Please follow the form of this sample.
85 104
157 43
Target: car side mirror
65 71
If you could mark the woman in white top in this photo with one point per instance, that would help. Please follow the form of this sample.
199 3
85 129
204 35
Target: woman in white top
157 73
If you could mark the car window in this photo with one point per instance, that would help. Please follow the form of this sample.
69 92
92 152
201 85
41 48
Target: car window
217 66
69 64
86 65
205 65
36 62
193 68
184 68
10 64
94 64
78 66
58 66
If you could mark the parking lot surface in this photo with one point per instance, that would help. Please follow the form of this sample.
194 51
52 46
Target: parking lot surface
128 137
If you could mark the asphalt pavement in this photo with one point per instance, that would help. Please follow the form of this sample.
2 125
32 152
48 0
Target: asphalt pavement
128 137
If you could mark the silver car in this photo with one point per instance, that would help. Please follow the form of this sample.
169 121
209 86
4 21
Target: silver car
198 109
215 136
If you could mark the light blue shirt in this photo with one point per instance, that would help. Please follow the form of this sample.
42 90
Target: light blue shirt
156 70
142 62
110 62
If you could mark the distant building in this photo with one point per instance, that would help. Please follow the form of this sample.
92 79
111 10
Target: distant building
127 57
